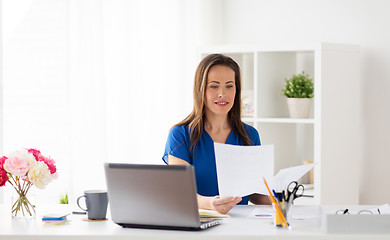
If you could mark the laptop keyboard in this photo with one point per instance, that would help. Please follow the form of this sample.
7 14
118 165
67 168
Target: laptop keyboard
209 222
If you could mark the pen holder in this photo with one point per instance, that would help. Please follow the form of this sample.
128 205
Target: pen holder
286 211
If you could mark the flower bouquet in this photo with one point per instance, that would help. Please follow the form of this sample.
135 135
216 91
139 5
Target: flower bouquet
22 169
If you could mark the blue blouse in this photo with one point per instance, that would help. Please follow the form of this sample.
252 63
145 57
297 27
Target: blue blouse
203 156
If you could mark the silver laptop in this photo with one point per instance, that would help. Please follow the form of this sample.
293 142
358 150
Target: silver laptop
154 196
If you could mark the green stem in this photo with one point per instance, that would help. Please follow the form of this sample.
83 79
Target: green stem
28 187
17 179
11 177
22 204
25 203
31 205
13 206
24 183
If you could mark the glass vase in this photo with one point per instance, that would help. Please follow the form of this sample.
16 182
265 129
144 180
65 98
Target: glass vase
23 204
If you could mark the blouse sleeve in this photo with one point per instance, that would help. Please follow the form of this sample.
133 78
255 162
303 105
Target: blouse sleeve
177 144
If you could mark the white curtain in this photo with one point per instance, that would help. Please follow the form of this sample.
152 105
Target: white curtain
35 85
94 81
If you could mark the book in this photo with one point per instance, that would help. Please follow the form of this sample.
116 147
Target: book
212 214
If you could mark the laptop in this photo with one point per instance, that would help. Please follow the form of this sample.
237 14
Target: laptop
154 196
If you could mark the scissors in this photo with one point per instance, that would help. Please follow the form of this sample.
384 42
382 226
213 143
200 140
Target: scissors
296 192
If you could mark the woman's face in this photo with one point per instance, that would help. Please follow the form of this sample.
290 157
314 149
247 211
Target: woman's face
220 90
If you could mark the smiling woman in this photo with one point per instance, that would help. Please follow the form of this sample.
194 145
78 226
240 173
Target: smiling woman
215 118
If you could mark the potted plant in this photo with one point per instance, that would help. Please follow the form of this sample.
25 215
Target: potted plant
299 90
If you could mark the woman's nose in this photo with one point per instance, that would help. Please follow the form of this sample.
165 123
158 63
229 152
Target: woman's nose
221 93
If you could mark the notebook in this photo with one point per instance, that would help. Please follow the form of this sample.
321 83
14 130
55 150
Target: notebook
154 196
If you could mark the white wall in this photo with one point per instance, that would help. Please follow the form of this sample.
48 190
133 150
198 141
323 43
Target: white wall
36 112
38 30
93 81
1 90
362 22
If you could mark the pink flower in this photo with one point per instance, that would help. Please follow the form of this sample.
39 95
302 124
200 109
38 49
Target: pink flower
51 164
3 173
47 160
3 177
2 160
35 152
18 163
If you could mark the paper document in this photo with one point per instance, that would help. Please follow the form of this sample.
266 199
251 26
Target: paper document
262 211
240 169
287 175
297 212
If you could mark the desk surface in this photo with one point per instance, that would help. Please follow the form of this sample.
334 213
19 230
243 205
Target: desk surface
239 226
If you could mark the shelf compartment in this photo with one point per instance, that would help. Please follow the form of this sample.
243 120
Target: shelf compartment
272 70
294 143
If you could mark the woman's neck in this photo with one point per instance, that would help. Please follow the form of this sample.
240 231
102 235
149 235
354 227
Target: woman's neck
218 128
216 123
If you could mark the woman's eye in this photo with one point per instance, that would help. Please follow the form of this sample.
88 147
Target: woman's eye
229 86
214 87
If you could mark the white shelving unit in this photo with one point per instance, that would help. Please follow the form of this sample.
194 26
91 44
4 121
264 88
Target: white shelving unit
331 135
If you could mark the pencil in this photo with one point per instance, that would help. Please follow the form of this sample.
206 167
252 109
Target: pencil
277 208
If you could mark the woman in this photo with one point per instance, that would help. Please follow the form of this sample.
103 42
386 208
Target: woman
216 117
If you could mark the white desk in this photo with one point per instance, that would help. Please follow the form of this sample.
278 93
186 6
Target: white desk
239 226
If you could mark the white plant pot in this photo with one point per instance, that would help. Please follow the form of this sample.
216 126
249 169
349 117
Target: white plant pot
299 107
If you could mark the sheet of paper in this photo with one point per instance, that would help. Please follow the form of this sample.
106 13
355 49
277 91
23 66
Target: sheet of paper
297 212
287 175
240 169
262 212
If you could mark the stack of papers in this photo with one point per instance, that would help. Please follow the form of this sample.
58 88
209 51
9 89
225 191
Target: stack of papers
55 218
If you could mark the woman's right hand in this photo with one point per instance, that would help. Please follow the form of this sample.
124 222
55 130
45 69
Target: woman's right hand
225 204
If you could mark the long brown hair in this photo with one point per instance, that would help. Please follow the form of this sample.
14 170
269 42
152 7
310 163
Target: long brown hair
195 120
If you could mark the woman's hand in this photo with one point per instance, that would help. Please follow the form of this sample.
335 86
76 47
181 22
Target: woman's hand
223 205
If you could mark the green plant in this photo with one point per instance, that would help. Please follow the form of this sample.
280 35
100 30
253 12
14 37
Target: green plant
64 199
299 86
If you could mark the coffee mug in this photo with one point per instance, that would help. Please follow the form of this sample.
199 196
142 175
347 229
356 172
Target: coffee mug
96 201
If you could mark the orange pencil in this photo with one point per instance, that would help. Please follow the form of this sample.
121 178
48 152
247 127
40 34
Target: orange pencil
278 210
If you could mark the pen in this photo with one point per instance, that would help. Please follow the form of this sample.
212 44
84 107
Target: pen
278 210
275 195
79 213
278 200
